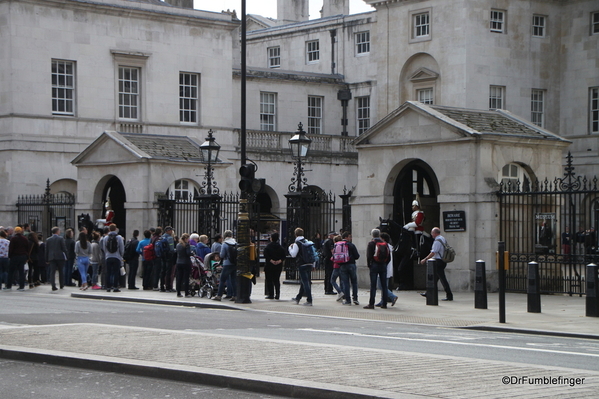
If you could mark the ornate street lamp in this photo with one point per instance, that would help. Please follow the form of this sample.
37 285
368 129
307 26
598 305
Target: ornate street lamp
299 145
210 150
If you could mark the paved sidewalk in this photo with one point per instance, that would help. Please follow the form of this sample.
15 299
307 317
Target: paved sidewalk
257 364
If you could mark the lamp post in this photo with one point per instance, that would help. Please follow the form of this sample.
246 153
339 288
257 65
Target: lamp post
299 145
208 203
210 150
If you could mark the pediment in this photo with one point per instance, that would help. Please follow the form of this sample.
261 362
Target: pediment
108 148
424 75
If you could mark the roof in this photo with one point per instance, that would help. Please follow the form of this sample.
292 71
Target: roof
165 147
469 122
141 146
158 2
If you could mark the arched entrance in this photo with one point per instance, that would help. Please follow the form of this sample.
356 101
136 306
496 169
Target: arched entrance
416 179
115 191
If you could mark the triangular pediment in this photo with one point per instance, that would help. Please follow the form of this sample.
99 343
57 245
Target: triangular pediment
424 75
108 148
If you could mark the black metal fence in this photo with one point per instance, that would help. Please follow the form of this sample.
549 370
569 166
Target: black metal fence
206 214
552 223
45 211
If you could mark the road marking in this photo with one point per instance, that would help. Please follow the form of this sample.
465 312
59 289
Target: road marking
449 342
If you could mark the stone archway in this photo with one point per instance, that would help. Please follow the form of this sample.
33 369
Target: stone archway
415 180
115 190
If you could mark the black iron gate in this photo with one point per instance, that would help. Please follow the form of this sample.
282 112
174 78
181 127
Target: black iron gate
313 211
206 214
552 223
45 211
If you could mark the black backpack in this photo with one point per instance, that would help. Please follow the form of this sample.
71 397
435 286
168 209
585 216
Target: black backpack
112 244
232 253
130 250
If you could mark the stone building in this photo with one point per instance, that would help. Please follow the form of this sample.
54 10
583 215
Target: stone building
89 90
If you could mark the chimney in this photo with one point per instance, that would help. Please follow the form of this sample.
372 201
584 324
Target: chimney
335 7
181 3
292 10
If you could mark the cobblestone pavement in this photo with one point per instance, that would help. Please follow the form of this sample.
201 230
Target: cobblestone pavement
359 372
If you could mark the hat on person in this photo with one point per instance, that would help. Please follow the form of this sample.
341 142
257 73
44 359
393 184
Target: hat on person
18 230
415 203
167 228
333 233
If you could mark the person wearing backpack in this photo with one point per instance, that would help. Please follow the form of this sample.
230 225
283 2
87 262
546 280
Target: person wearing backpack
437 252
377 257
347 270
146 264
157 262
305 255
114 248
165 250
274 256
228 256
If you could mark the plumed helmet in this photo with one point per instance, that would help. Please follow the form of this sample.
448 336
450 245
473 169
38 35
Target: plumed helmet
415 203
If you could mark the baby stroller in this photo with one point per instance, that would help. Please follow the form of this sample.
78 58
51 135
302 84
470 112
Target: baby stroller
211 270
197 275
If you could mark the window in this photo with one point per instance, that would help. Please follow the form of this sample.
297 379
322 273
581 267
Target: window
268 111
421 25
314 115
512 174
594 109
129 93
425 96
496 97
274 57
538 25
595 23
537 107
183 190
497 21
188 97
363 112
312 51
63 87
363 42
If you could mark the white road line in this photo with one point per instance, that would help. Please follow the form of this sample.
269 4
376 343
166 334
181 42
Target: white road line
449 342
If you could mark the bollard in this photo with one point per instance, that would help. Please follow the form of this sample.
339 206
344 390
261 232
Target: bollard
480 286
592 305
432 295
534 289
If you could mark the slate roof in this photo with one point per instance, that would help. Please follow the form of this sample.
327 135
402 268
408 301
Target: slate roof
157 2
493 122
166 147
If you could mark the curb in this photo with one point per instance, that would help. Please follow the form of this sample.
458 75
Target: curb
215 305
531 332
196 375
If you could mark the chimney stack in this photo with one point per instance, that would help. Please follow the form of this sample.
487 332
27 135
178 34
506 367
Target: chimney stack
335 7
292 10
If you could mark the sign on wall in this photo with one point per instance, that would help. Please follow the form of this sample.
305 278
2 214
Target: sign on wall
454 221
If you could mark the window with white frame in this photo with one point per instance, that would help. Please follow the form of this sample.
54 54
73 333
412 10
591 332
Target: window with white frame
129 92
183 189
274 57
425 96
268 111
594 109
421 25
496 97
538 25
188 97
363 113
63 87
498 21
595 23
537 107
312 51
513 174
314 115
363 42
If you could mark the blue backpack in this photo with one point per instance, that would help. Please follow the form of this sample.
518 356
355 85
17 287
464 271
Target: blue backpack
161 247
307 253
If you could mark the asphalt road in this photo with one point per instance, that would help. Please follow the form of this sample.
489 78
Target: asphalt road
581 354
21 380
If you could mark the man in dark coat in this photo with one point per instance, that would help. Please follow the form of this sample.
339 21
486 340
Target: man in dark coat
56 254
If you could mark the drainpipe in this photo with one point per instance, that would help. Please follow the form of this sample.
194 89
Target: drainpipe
344 96
333 33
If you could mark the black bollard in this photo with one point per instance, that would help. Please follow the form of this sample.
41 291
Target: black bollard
534 289
480 285
432 295
592 305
